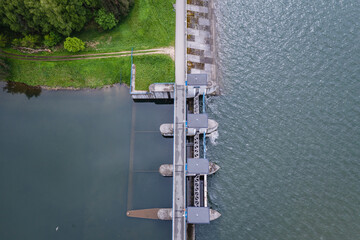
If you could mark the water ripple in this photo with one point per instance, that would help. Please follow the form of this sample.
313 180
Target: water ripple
289 134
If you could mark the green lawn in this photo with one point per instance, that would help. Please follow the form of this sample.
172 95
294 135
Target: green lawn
93 73
150 24
153 69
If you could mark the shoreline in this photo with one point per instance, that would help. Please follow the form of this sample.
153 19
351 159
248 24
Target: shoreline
4 83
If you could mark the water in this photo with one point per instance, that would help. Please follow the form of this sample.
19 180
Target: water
289 121
65 165
288 142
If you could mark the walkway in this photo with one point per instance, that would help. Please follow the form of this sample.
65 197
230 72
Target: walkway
179 177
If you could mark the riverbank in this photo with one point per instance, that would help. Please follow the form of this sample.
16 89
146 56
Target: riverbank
92 73
148 26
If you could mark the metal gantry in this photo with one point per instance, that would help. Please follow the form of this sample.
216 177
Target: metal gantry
196 155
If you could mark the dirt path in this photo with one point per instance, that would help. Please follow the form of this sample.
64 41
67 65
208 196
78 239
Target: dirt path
166 51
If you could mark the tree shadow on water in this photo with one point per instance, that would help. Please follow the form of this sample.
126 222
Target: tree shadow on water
19 88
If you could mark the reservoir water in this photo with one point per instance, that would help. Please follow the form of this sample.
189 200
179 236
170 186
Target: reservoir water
289 119
73 162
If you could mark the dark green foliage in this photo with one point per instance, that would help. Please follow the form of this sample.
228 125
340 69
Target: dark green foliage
105 20
12 15
74 44
4 69
16 42
65 16
51 39
30 16
29 41
3 40
120 8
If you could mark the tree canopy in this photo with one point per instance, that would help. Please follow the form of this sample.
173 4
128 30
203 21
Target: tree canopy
74 44
61 16
120 8
105 20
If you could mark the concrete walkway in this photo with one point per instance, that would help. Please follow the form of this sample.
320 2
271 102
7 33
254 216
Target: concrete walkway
179 158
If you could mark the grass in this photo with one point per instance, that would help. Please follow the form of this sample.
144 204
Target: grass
93 73
150 24
153 69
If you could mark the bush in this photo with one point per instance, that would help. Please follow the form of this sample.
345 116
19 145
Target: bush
105 20
51 39
16 42
3 40
29 41
74 44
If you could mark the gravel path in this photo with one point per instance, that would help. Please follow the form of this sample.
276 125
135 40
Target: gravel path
166 51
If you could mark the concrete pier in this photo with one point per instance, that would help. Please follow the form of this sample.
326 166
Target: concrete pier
166 170
179 157
164 214
167 129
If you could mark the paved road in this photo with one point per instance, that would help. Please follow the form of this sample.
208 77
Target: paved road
180 42
179 186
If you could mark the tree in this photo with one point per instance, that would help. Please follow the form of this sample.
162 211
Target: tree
35 16
51 39
74 44
105 20
65 16
3 40
120 8
29 41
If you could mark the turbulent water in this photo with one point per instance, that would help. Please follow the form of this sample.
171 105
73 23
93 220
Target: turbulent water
289 121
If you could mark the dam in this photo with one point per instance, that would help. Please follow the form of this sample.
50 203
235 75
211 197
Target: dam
194 80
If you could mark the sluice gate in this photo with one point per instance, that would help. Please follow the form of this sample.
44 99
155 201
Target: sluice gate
194 80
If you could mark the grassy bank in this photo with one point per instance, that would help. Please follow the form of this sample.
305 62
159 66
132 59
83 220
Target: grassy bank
93 73
150 24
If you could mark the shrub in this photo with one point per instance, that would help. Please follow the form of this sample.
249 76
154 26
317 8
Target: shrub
3 40
51 39
73 44
16 42
105 20
29 41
